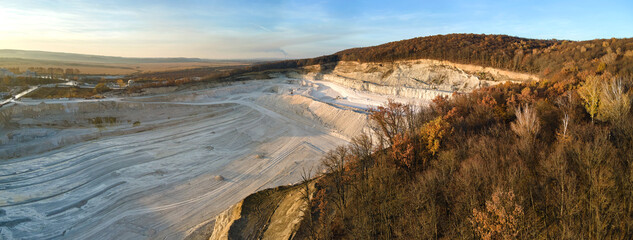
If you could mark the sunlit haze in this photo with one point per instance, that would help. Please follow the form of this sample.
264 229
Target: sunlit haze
288 29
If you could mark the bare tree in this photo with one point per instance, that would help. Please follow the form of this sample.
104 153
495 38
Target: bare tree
615 103
362 148
334 162
527 124
307 193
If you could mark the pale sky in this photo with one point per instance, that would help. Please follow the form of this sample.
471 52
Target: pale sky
286 28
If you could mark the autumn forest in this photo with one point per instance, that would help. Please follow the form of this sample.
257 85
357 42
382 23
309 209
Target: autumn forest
544 160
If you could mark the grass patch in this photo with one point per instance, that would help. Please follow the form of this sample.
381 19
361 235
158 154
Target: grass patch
103 120
61 92
27 81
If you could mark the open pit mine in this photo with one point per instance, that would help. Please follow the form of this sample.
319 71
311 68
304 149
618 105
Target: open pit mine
166 165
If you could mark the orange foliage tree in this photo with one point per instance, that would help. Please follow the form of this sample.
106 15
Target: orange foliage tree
500 219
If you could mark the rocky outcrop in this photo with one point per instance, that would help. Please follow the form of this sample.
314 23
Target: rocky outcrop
269 214
225 220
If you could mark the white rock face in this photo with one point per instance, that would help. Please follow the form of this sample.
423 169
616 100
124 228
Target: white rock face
418 79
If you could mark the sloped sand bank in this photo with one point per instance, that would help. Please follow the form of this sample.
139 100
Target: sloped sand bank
155 167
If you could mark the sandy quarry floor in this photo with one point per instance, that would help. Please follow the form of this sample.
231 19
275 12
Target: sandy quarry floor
147 167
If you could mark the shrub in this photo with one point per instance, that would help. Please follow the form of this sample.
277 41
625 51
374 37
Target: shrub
500 219
101 88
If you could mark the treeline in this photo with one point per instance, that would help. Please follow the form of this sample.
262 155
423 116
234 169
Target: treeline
152 82
204 72
216 74
14 70
53 71
293 63
512 161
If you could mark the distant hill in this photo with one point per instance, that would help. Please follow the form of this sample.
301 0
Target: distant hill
84 58
108 65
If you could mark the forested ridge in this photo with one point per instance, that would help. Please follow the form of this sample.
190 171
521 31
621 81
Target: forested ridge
549 58
543 160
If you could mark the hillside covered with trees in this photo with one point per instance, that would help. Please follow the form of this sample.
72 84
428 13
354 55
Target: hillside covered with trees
544 160
507 162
